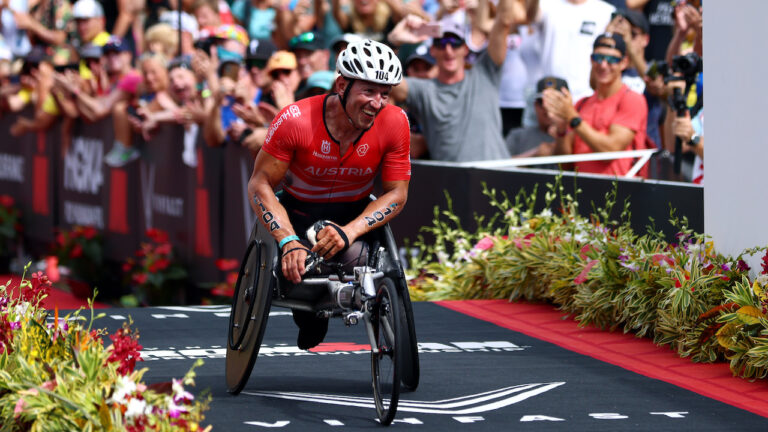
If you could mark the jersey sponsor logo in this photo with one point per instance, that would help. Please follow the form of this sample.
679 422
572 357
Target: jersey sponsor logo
333 171
325 147
293 110
322 156
362 150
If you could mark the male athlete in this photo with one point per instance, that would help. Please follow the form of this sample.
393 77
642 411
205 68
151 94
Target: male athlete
326 151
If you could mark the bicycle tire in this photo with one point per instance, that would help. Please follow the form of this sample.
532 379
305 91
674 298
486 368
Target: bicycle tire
410 370
251 301
386 363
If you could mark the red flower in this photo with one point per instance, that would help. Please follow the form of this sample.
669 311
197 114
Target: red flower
678 284
127 266
6 200
140 278
223 290
232 278
159 265
157 235
89 232
582 277
227 264
77 251
764 264
125 349
164 249
38 287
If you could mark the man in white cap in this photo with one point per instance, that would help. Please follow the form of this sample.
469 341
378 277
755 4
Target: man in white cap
89 18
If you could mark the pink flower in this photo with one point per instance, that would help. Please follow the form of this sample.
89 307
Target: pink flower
582 277
663 260
20 405
485 244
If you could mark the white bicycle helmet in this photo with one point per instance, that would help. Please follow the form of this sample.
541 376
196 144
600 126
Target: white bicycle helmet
372 61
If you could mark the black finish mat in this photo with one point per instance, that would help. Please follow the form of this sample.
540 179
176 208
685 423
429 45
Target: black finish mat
474 376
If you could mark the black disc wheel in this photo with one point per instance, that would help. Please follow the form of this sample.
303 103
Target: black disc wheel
248 317
410 367
385 358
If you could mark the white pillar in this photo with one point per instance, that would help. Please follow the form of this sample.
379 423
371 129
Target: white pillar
736 126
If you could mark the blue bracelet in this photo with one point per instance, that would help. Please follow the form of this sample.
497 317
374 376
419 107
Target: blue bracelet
285 240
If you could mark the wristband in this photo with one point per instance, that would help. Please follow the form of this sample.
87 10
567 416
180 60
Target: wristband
287 239
295 249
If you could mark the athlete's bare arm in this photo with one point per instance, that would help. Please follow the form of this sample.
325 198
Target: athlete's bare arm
376 214
268 171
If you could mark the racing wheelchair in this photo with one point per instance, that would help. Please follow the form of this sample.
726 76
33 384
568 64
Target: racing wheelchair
375 294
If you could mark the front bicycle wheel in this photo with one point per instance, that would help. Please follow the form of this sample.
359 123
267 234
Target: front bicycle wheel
248 318
386 355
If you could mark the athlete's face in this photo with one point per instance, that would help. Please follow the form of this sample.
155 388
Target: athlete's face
365 101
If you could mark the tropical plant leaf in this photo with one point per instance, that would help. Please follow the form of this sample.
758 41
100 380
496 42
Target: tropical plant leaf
749 315
726 335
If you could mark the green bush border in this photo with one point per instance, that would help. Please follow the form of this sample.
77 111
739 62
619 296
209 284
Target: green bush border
683 294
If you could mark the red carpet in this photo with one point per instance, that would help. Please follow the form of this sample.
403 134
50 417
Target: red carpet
57 298
638 355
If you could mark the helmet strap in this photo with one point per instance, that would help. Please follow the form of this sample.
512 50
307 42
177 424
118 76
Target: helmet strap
344 98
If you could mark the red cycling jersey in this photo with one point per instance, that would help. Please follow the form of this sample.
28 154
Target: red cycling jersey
318 172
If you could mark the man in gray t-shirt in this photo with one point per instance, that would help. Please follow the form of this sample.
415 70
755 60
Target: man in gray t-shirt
459 110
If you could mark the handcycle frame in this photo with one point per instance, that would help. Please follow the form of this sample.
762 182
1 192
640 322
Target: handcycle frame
376 294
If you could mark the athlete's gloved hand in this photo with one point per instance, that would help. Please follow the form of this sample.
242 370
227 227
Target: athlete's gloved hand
328 239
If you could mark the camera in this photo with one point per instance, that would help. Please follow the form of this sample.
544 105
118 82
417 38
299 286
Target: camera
205 44
688 65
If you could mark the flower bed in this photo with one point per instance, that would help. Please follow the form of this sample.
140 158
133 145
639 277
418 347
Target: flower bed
61 375
683 294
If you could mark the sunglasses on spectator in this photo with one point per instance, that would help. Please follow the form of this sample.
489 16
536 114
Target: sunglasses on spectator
443 42
610 59
277 73
304 37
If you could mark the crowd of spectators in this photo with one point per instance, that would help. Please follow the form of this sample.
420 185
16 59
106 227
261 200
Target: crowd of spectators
485 79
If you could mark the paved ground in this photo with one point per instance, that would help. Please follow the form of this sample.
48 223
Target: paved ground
475 375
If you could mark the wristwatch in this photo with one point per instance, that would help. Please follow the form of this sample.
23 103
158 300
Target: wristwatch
695 140
575 122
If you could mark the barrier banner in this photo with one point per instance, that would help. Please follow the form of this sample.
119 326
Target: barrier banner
206 190
40 218
15 167
238 217
166 202
94 194
430 182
